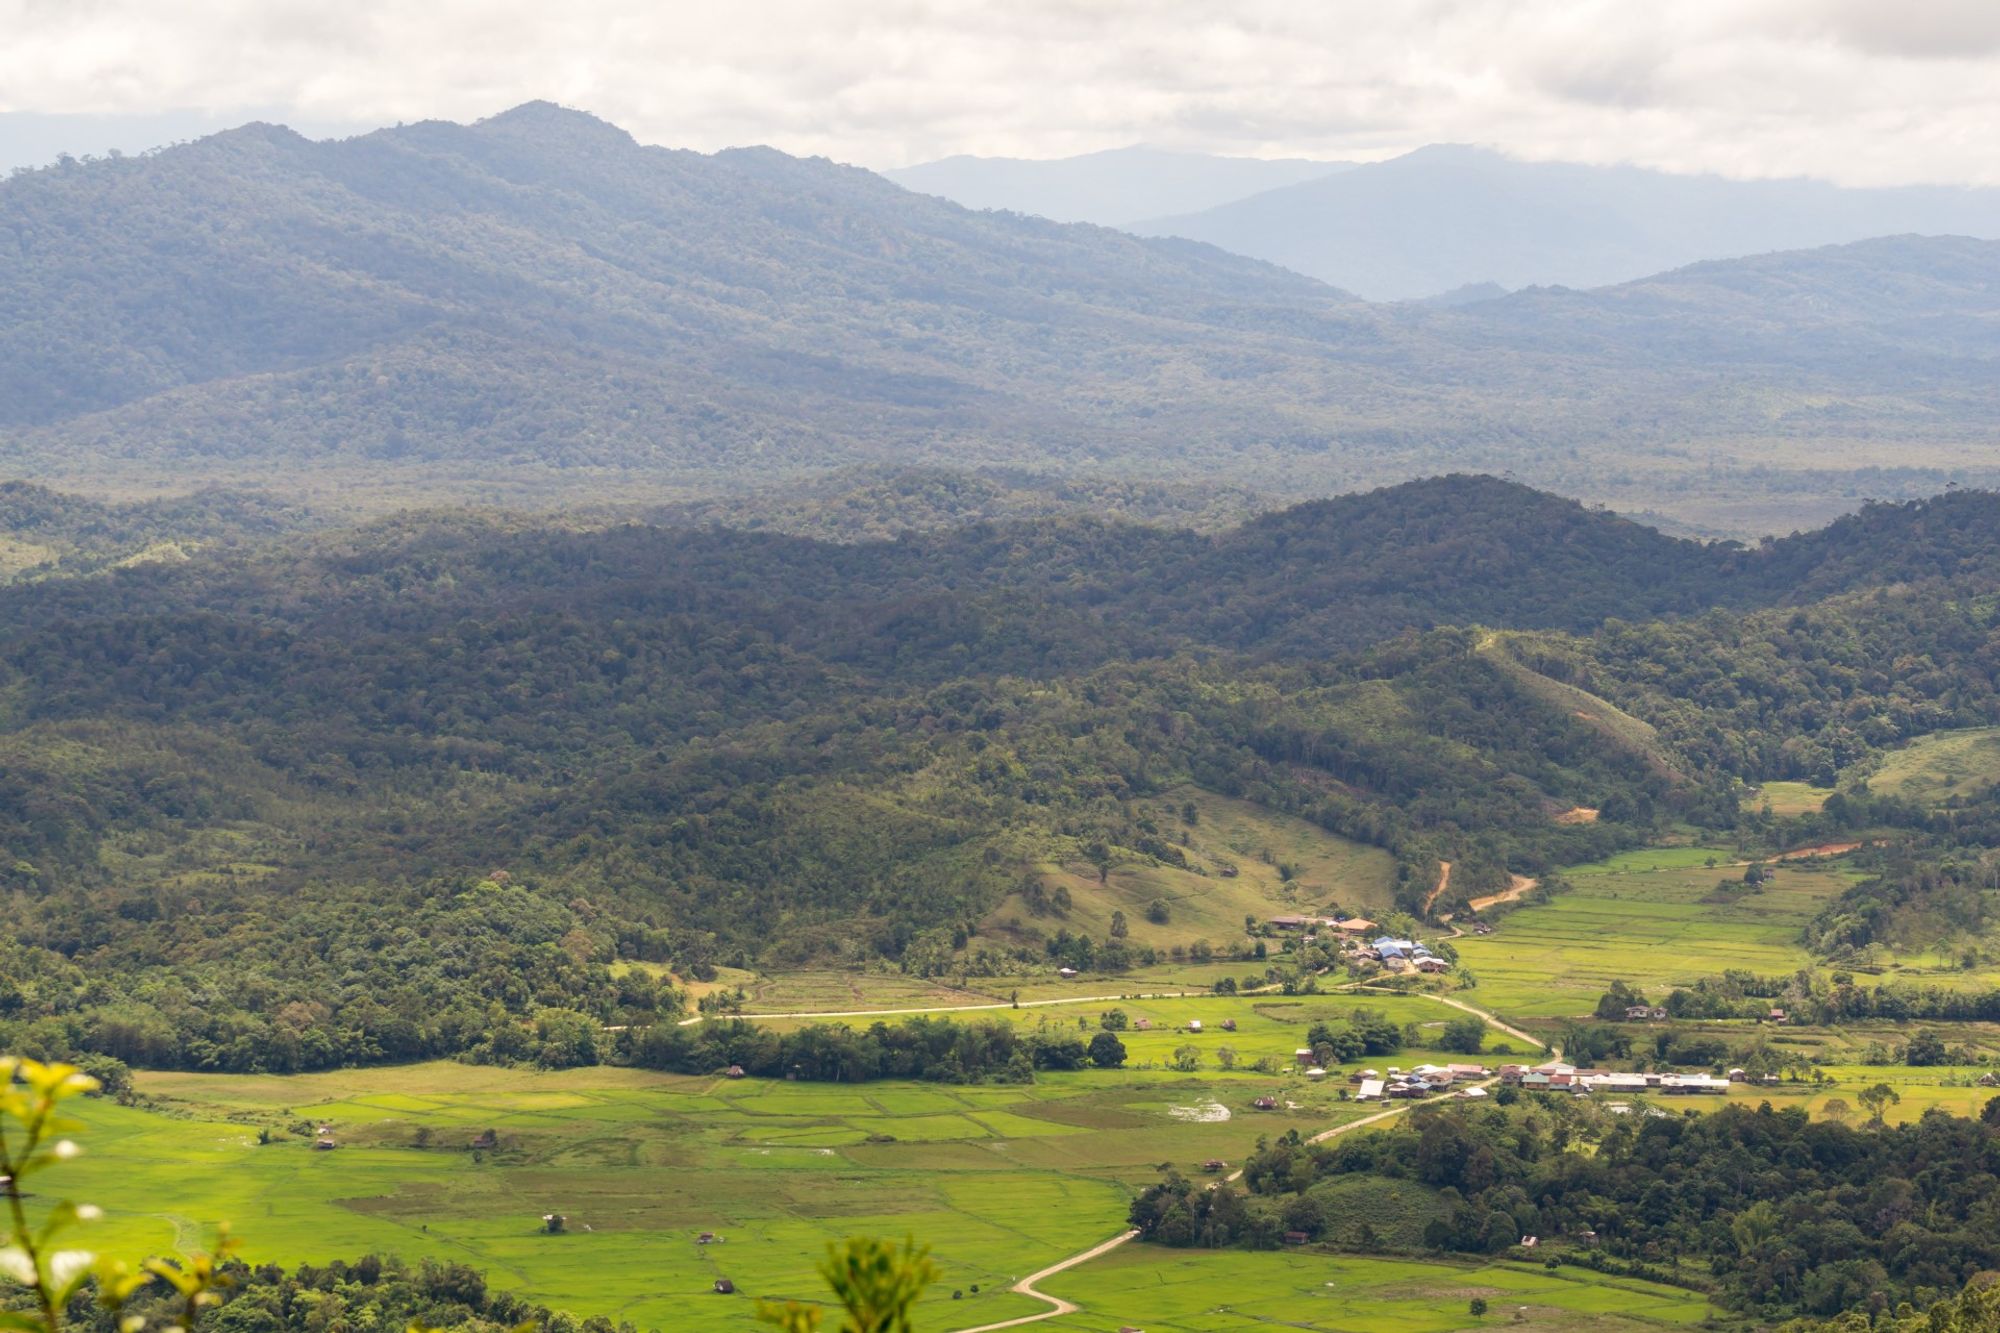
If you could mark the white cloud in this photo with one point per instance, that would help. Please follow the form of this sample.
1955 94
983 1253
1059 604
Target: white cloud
1861 91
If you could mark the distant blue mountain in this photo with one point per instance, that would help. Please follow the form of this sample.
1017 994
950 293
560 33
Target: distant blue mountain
1450 216
1112 188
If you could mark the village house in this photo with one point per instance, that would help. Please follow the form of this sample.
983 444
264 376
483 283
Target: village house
1430 964
1315 1073
1194 1025
1644 1013
1264 1104
1229 1025
1304 1055
1066 972
735 1071
1371 1090
724 1287
1989 1079
1214 1164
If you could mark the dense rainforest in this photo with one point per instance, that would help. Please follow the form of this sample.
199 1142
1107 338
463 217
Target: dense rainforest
321 795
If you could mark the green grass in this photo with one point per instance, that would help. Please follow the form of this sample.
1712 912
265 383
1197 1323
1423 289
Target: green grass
1147 1287
1003 1180
1205 901
1932 769
1787 798
1651 917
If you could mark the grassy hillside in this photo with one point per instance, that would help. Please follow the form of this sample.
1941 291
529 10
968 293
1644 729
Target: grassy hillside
1933 769
1241 861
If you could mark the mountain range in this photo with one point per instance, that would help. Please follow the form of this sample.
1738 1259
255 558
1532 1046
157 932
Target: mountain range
1454 216
1114 188
536 306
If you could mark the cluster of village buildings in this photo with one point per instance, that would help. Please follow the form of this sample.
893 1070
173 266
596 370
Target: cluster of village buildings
1393 954
1556 1076
1426 1080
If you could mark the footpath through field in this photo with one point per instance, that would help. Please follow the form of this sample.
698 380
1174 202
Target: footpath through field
1059 1307
1027 1285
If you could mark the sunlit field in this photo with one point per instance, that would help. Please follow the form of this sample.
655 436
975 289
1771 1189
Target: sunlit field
1654 918
1147 1287
1003 1179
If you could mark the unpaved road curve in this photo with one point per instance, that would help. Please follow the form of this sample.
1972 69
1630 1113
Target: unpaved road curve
1444 882
1059 1307
1517 885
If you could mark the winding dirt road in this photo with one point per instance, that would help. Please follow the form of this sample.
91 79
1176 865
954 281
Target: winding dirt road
1059 1307
1027 1286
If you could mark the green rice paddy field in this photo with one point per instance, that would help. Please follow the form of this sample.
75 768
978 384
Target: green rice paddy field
1142 1287
1655 919
1003 1180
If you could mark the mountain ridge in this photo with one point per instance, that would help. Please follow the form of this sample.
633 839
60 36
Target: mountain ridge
536 307
1398 229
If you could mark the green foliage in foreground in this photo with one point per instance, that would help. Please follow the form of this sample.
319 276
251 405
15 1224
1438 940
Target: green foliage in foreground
47 1286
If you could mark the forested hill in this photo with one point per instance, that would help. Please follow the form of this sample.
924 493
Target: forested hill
701 745
45 533
1031 595
535 304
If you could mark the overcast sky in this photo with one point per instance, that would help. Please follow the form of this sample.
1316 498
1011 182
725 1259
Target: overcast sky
1858 91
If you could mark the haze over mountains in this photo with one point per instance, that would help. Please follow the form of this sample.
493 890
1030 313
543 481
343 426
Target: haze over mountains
1451 216
537 306
1114 188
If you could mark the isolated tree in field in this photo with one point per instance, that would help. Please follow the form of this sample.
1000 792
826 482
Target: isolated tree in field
1158 913
1114 1020
1622 995
1476 1306
1106 1051
1877 1100
1225 1056
1465 1035
1119 930
1187 1059
1837 1110
1926 1048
